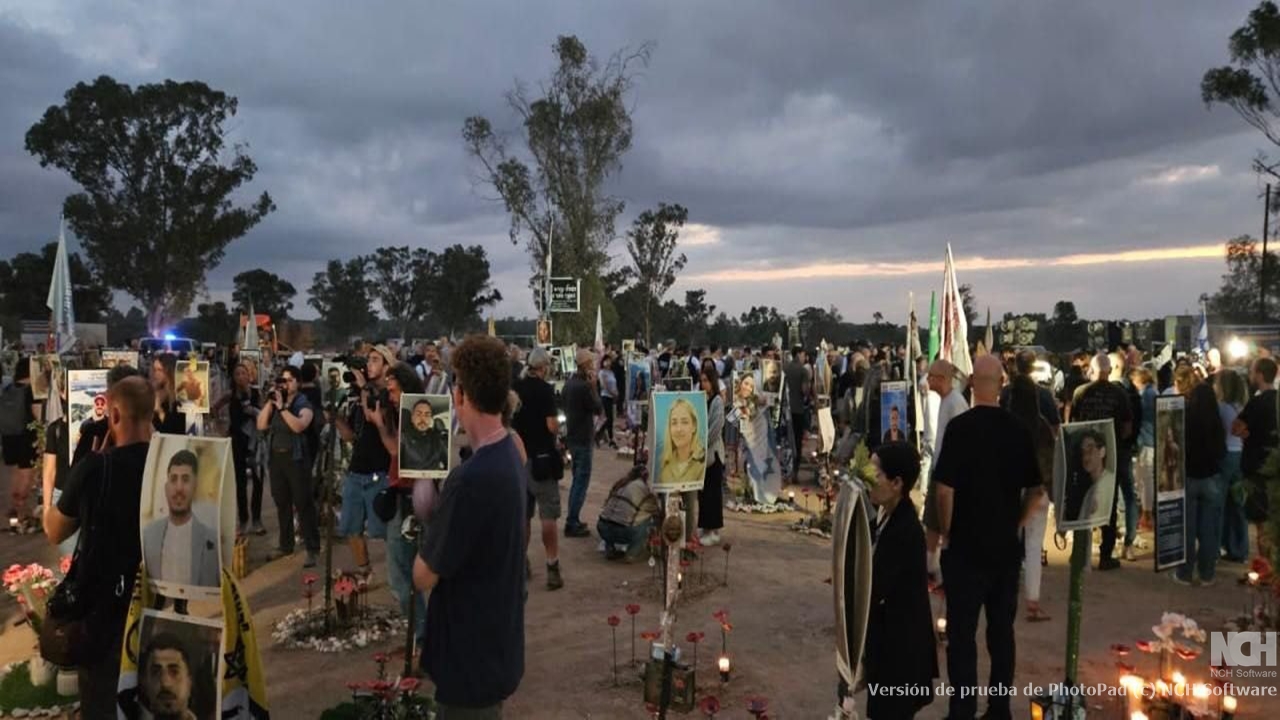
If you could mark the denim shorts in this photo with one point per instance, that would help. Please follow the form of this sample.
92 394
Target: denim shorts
358 492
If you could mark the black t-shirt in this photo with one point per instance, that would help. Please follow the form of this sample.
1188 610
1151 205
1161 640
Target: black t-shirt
244 411
55 443
475 543
537 403
174 423
989 459
368 454
92 431
1105 401
114 515
1260 417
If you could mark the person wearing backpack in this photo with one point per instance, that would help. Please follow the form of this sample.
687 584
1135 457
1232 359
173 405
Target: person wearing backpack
288 415
18 410
101 498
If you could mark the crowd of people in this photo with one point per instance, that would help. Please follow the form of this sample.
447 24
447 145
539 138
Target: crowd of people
963 492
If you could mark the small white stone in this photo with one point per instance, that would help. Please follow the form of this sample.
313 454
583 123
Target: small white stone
20 713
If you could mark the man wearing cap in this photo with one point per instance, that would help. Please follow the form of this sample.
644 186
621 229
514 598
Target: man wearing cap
370 464
537 422
581 405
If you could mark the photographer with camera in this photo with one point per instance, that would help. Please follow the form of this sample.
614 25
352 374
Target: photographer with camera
395 505
370 465
288 416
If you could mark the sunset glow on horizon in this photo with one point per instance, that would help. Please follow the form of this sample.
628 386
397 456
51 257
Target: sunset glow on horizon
882 269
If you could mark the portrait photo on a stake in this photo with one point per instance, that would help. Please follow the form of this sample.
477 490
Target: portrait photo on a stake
180 515
678 443
191 386
1085 475
179 662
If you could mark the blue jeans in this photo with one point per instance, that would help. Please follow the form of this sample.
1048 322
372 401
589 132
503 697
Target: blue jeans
1235 528
1206 498
581 479
401 553
634 538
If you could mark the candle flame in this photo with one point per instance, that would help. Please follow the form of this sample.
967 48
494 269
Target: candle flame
724 663
1229 704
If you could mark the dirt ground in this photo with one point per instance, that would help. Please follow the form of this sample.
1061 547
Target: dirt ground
778 600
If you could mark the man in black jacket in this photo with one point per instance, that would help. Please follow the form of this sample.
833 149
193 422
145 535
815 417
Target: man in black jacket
581 405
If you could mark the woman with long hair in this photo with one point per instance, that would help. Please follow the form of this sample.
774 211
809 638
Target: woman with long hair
684 455
168 418
19 448
760 453
1230 389
711 496
1206 446
1023 402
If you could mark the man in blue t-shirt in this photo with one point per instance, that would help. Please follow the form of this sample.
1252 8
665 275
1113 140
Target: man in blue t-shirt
472 555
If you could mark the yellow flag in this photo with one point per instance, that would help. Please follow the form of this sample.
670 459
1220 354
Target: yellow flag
493 328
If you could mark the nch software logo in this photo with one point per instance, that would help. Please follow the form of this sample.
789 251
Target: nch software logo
1232 651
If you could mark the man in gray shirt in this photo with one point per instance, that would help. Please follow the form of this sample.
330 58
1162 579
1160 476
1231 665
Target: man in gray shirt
581 405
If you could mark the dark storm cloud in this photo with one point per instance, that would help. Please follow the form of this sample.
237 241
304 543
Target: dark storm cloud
801 132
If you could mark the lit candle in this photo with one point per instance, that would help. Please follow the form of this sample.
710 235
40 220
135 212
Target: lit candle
942 629
1228 707
791 495
1179 684
724 665
1253 577
1137 715
1133 691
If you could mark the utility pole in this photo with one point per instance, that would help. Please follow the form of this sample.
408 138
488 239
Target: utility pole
1262 268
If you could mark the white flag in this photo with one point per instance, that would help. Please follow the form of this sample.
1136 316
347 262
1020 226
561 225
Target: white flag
59 299
954 346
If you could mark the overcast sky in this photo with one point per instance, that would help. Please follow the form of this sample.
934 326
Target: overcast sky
826 151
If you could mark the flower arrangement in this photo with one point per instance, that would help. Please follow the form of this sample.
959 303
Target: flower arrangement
383 698
31 585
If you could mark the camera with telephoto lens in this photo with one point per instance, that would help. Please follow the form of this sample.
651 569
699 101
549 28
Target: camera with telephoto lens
353 362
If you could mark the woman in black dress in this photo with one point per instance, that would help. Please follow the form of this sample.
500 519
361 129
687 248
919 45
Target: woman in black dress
901 650
168 418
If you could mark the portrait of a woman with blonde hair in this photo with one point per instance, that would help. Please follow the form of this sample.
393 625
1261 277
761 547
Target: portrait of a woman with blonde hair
684 450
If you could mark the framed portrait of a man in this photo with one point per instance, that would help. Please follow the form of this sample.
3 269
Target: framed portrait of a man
771 371
678 441
425 449
1085 475
894 424
86 402
179 662
180 515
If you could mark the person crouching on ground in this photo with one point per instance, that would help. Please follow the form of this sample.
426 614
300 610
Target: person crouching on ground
627 515
900 650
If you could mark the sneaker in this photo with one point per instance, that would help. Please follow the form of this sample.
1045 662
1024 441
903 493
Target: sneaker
613 553
1108 564
256 528
554 581
577 531
1174 577
311 560
1129 553
711 538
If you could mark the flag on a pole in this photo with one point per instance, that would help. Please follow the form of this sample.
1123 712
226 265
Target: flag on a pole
954 331
913 351
58 301
251 341
933 326
990 340
1202 338
599 344
493 327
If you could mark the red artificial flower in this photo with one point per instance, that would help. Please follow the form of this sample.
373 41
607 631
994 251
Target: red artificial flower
726 546
1261 566
684 563
354 686
409 684
1145 646
649 635
64 564
805 490
380 657
722 615
695 637
726 625
381 686
633 609
709 705
614 621
1186 653
694 543
655 541
757 704
1120 649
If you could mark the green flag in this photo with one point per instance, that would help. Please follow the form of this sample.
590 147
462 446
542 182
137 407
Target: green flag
933 326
